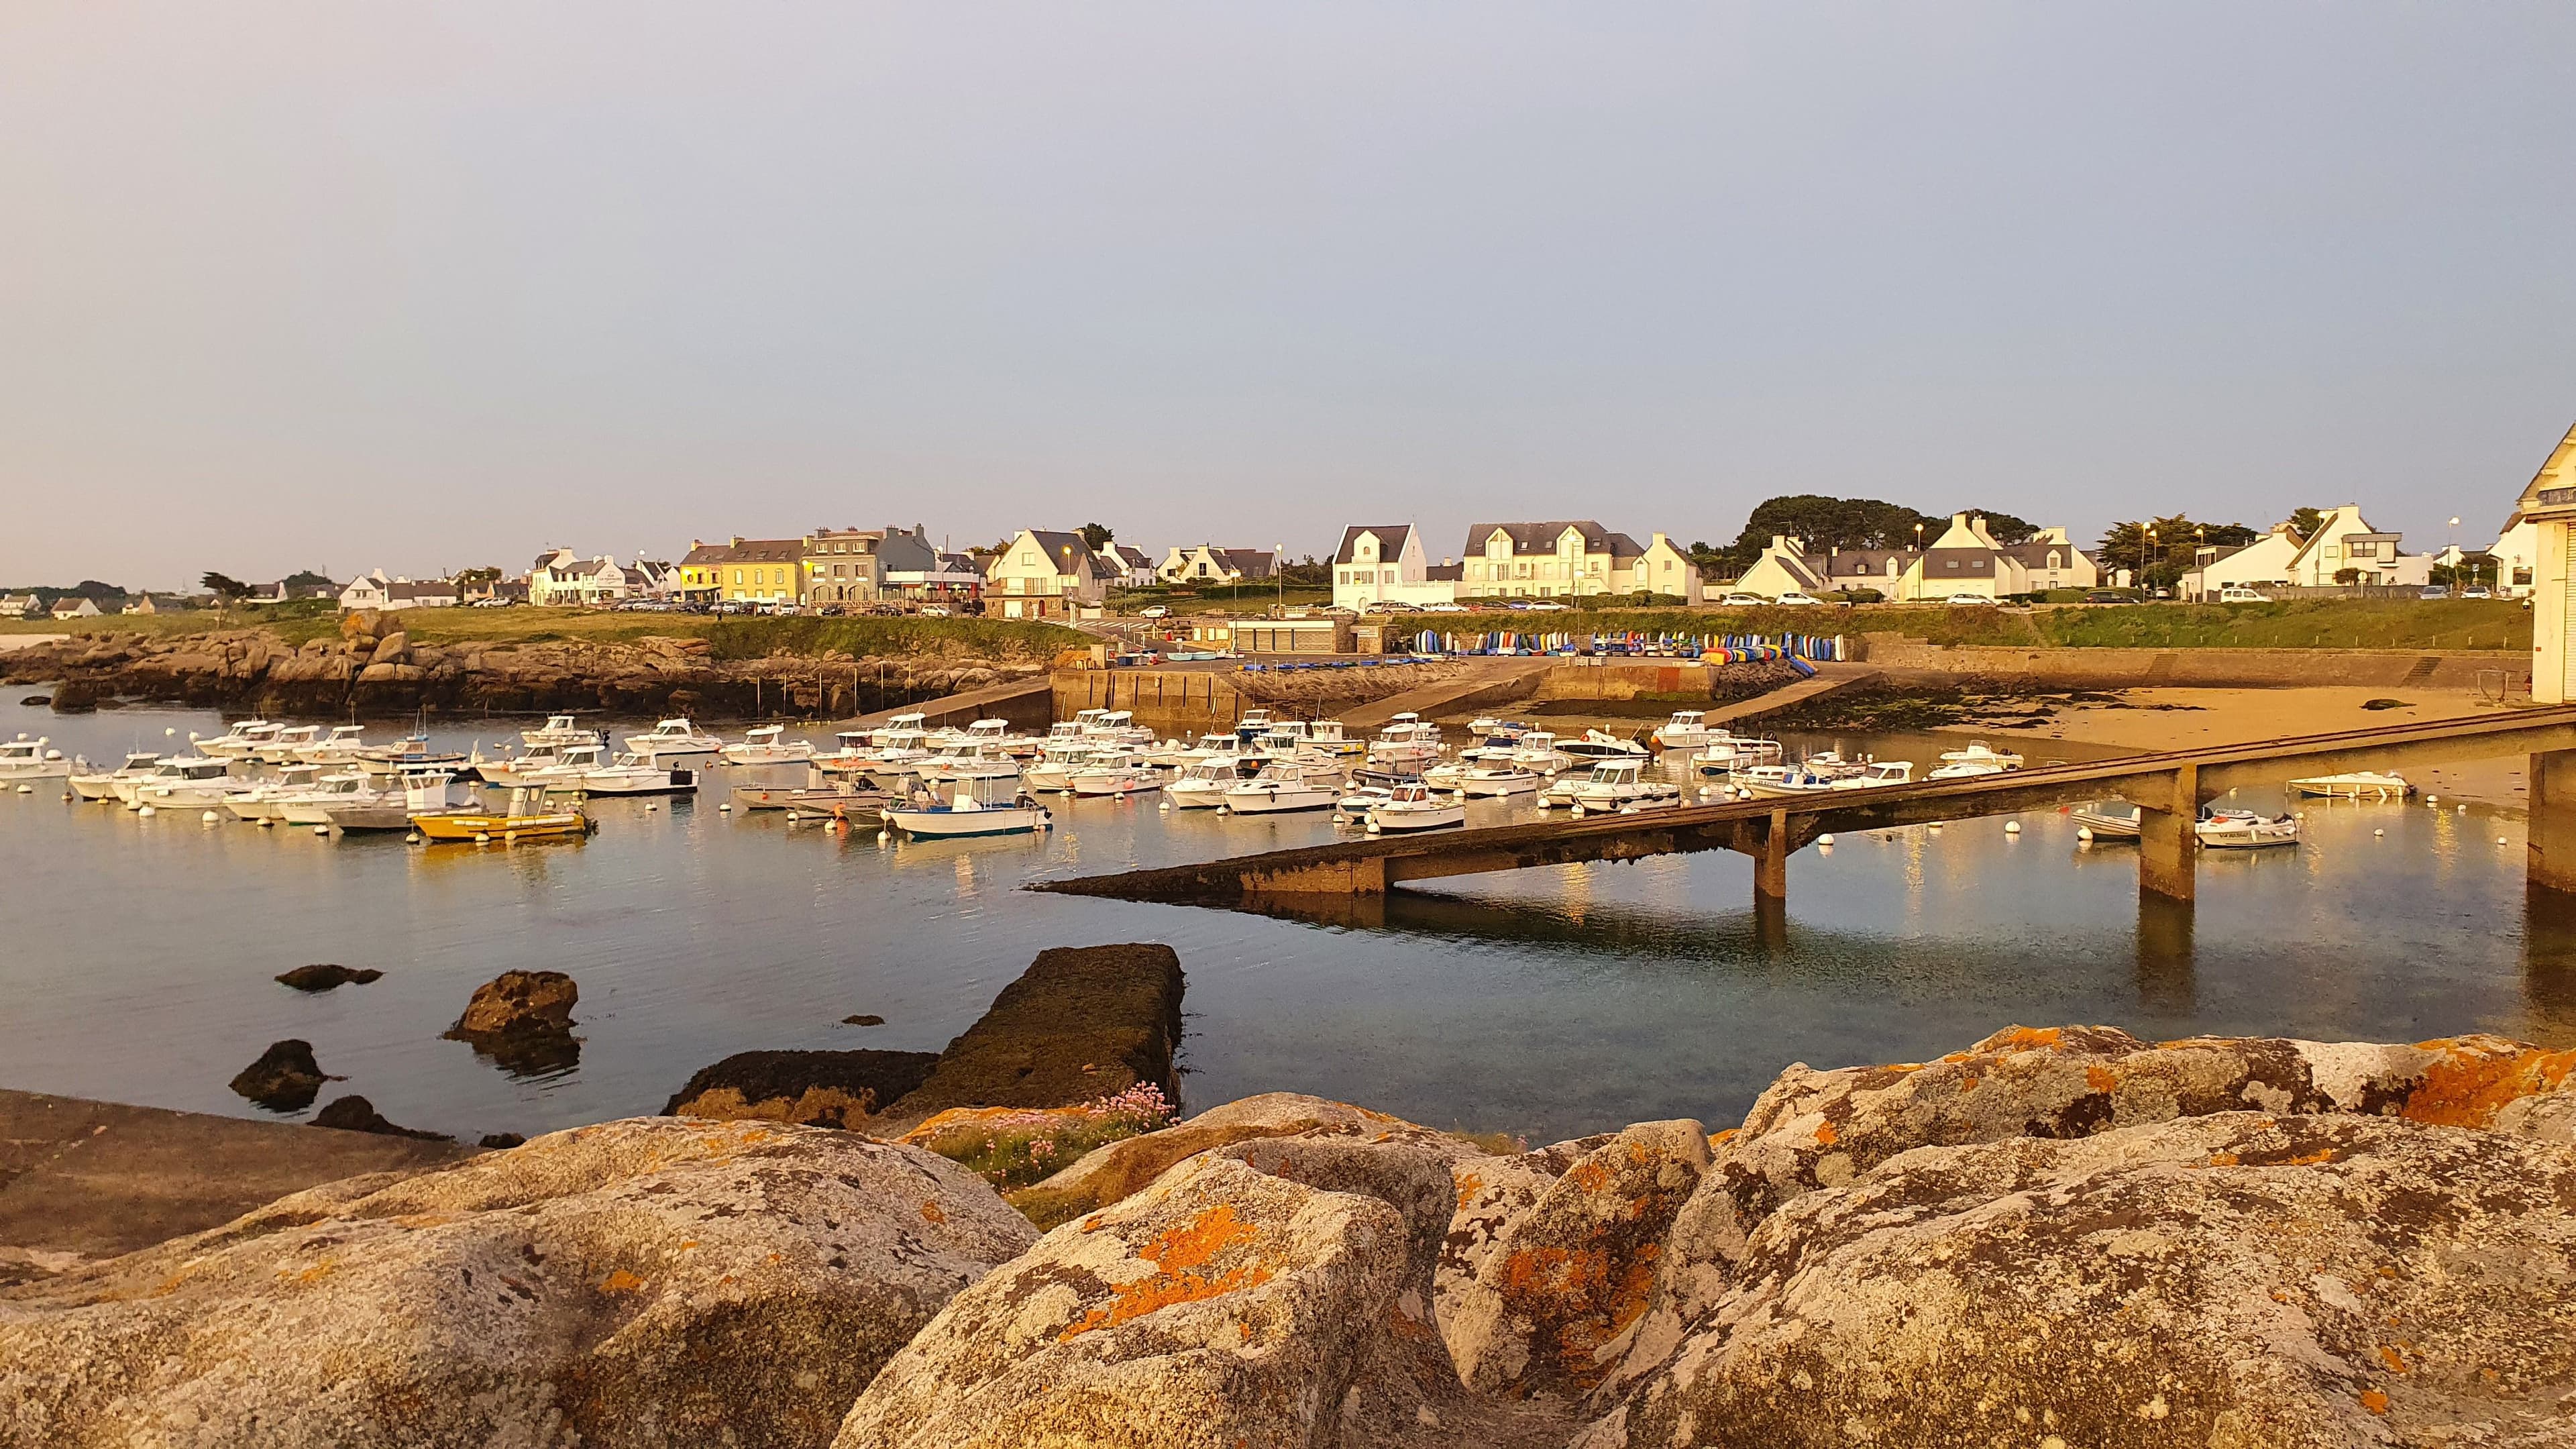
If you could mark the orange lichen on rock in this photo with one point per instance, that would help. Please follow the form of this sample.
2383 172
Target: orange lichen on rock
930 1213
620 1281
1825 1134
1589 1176
2375 1401
2477 1078
1177 1253
1469 1184
2029 1039
2390 1356
2101 1079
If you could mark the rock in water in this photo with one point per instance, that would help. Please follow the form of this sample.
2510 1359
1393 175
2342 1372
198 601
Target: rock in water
523 1020
648 1282
34 699
863 1020
817 1089
1080 1024
2244 1278
324 977
285 1078
500 1141
356 1114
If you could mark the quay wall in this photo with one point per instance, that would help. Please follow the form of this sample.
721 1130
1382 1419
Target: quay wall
1171 702
2461 669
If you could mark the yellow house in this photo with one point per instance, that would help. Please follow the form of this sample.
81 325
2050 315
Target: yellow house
752 570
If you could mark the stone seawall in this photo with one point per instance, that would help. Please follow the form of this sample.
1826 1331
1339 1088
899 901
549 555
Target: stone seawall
2205 667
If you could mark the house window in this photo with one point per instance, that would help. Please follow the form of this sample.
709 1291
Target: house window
2052 558
1950 564
737 578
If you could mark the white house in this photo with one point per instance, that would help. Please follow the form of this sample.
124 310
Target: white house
1133 563
2549 503
2267 560
1570 557
1209 564
372 590
561 576
2345 540
1045 575
20 606
74 606
1965 559
1381 563
2516 552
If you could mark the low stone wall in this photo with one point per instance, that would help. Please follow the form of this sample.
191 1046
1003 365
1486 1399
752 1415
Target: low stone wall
2208 668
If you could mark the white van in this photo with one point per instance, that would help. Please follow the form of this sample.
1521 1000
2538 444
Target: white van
2239 594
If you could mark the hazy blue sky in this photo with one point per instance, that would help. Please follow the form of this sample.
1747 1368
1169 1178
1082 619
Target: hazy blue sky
429 285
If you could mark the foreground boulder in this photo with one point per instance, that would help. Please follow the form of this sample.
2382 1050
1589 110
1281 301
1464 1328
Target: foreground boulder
2242 1279
286 1078
1082 1023
1222 1306
523 1021
816 1089
652 1282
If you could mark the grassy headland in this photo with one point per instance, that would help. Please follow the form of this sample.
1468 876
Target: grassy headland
2299 624
728 638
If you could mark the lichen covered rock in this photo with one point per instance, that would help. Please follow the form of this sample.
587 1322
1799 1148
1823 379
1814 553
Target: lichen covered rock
815 1089
2239 1279
652 1282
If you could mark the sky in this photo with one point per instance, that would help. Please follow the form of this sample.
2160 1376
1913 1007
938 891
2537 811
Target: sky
344 285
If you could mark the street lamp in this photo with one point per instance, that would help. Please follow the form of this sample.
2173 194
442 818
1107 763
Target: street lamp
2145 544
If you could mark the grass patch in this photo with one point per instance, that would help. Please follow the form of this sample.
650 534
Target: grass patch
1019 1148
2295 624
986 638
729 638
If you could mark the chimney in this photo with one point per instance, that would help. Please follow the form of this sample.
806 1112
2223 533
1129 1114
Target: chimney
737 540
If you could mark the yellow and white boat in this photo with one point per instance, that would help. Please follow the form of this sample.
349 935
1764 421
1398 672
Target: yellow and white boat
526 818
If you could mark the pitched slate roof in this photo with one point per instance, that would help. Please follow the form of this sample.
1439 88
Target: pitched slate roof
1390 539
1532 538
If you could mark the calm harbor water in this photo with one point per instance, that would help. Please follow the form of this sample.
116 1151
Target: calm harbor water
135 954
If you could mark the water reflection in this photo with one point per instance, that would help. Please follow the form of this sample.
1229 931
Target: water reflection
2165 958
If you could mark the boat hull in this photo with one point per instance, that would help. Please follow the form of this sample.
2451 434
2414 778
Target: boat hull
477 826
967 824
1383 821
1282 802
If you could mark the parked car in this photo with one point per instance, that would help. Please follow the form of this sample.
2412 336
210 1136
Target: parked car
934 611
2239 594
1444 608
1518 606
1154 611
1743 601
1796 597
1547 606
2474 592
2435 592
2108 596
1972 599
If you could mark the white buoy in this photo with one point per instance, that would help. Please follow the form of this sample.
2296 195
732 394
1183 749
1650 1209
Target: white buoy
481 838
321 829
2499 840
412 839
1936 827
2012 827
2464 809
2379 832
146 810
1824 840
2432 799
650 807
1372 827
1577 811
210 817
26 789
2084 832
725 809
265 821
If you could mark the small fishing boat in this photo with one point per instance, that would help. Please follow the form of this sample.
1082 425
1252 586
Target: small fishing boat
1688 729
341 790
1537 751
287 742
1358 801
767 745
421 792
2105 820
26 759
1408 741
674 739
235 743
187 784
2356 785
1498 780
2244 830
1980 753
1600 745
1611 785
964 759
530 764
1133 777
1061 758
342 746
558 729
527 817
101 785
172 770
1813 775
1202 785
1326 741
843 802
410 753
626 774
1725 754
1284 787
973 807
1414 807
261 801
912 727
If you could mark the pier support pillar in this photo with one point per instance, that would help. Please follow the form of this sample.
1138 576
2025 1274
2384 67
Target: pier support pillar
1771 865
2165 840
2551 853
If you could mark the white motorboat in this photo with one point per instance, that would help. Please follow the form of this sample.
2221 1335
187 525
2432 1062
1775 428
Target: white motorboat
2244 830
524 767
633 774
288 742
962 759
1132 778
101 785
1445 775
1724 754
26 759
1248 724
2356 785
1496 780
1819 773
997 735
1414 807
674 739
1359 800
1537 751
1969 770
262 800
1202 785
421 792
1980 753
186 784
558 729
1283 787
340 790
2105 820
1325 740
406 755
768 745
235 743
1116 726
1598 745
341 747
898 751
913 726
172 769
1496 741
1612 784
1060 759
1644 803
972 808
1408 741
1688 729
